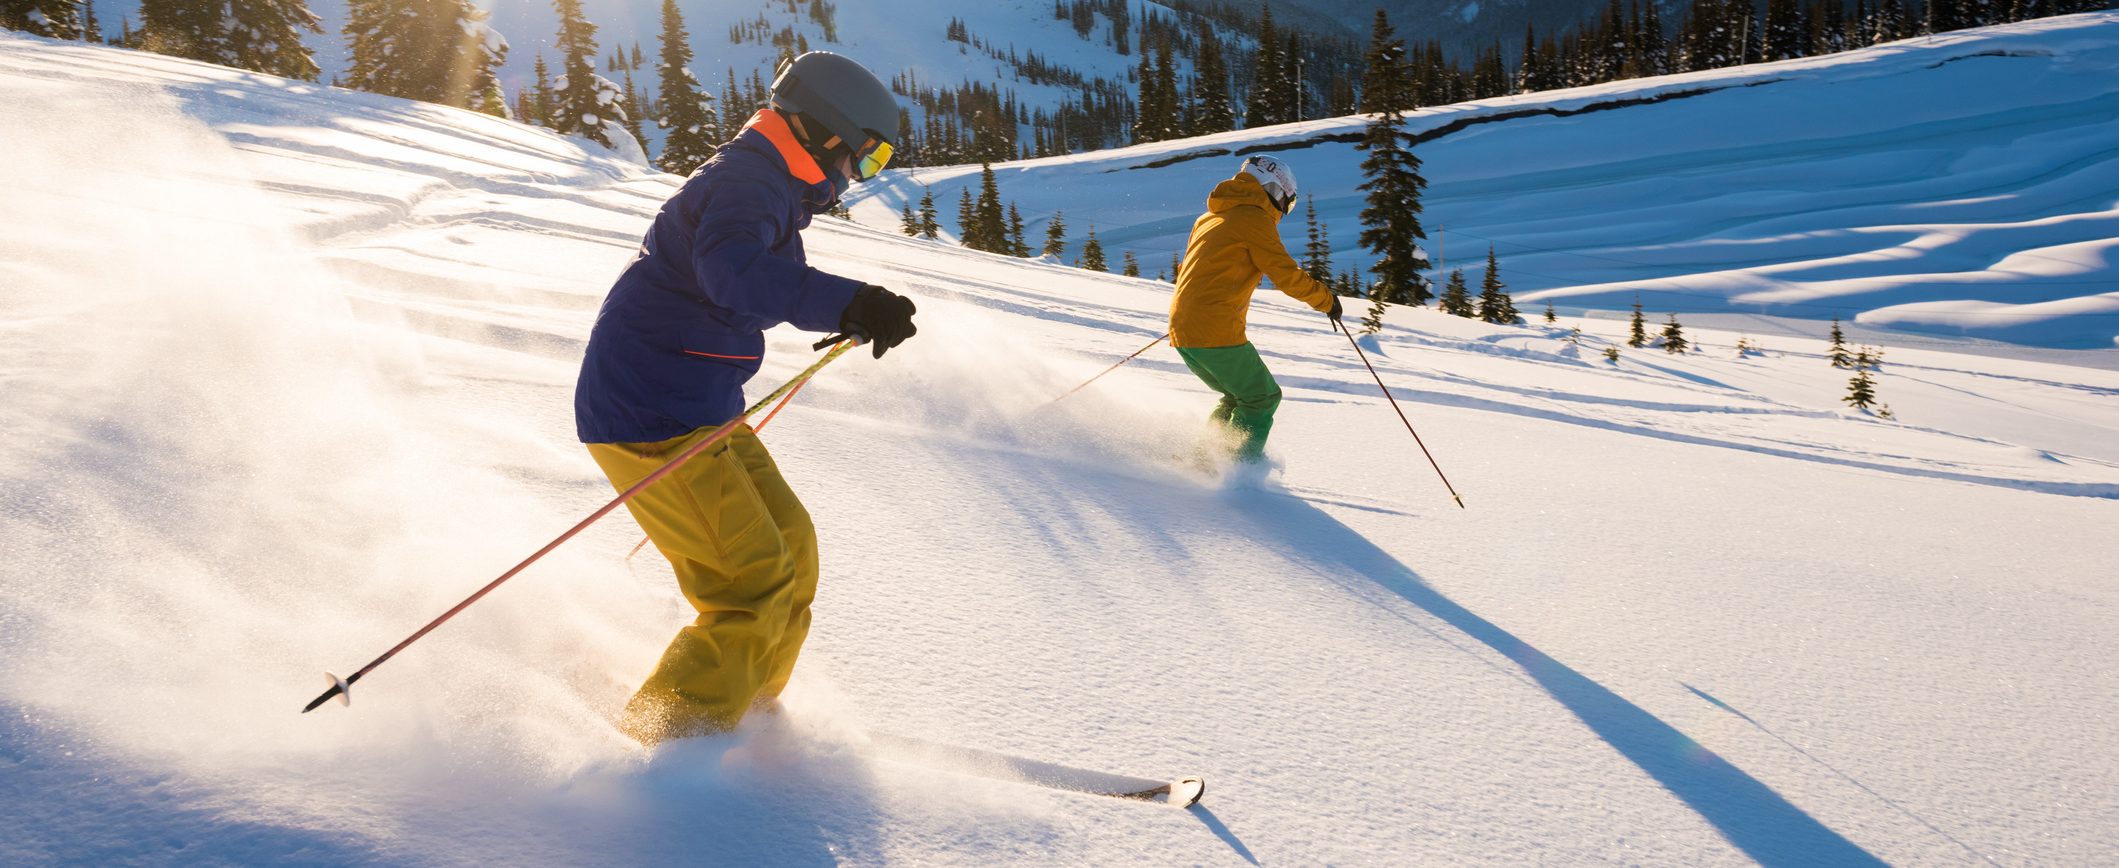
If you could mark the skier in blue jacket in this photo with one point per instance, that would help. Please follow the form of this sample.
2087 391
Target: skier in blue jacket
681 332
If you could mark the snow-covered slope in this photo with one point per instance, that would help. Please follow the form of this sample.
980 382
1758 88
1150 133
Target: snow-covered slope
286 371
1964 184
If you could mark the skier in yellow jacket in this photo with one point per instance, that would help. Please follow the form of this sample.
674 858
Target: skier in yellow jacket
1233 245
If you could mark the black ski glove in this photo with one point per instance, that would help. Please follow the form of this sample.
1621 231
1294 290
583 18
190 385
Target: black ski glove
1334 313
881 316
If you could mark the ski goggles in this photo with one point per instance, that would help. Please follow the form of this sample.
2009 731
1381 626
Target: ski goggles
871 158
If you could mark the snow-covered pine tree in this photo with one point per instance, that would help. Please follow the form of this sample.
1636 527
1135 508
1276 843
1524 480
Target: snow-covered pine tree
1262 103
1611 354
1837 354
1391 219
930 228
1674 336
266 36
1016 245
584 104
1055 236
1495 304
1317 254
54 19
630 102
691 128
1861 390
1637 336
990 219
1216 111
440 51
196 29
1093 252
909 221
1456 296
539 97
1551 316
1128 265
967 218
1175 120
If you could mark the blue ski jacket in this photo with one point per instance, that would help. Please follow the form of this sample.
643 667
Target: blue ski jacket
684 326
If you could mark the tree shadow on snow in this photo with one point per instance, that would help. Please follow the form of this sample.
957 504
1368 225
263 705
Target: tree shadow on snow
1747 813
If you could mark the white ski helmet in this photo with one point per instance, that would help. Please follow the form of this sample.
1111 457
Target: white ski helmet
1276 177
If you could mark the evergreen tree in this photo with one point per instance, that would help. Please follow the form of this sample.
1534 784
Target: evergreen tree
1293 104
1838 354
266 36
183 28
1216 110
909 221
1317 254
930 228
1551 316
1495 305
967 219
584 103
1129 266
1093 253
491 99
1456 296
1016 245
1372 322
541 96
1349 284
691 128
1150 111
1673 336
1890 22
1611 354
630 102
1391 219
1056 236
1174 123
440 51
989 219
1861 390
1638 336
53 19
1262 104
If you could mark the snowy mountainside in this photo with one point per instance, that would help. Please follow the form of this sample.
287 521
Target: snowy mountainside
287 370
890 38
1962 184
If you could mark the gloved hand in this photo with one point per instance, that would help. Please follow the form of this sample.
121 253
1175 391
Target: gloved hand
1335 313
881 316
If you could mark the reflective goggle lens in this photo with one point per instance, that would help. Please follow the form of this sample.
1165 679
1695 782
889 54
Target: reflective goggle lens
872 158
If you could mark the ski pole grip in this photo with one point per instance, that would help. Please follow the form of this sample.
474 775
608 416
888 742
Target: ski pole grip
854 335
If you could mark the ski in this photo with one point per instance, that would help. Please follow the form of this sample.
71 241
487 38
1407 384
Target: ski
1183 792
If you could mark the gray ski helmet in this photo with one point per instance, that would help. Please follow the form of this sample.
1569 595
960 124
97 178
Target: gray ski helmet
834 90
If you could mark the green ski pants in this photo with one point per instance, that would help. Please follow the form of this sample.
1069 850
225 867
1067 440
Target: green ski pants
1248 393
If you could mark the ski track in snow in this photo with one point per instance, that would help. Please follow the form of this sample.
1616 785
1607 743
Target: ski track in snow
287 371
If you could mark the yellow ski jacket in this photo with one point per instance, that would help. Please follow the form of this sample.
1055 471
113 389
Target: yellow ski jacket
1233 245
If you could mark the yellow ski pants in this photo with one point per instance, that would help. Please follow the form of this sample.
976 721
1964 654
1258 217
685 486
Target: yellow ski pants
745 555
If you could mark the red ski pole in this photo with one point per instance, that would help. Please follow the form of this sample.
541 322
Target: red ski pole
340 687
1114 367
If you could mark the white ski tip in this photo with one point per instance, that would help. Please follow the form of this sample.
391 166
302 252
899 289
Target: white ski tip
345 692
1186 792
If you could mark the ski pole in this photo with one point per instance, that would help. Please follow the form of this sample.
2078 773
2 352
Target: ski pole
1401 412
340 687
1114 367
